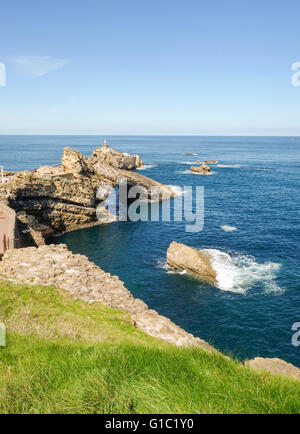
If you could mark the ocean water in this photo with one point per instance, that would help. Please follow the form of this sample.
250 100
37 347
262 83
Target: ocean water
252 230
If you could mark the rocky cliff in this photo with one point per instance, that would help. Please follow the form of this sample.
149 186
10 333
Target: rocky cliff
53 200
56 265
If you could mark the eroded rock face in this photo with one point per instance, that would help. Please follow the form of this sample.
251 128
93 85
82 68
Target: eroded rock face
274 366
204 169
115 158
57 203
195 262
66 197
73 162
56 265
114 167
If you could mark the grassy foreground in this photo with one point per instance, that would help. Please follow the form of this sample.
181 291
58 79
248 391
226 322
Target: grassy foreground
66 356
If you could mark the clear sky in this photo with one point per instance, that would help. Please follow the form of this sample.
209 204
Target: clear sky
150 67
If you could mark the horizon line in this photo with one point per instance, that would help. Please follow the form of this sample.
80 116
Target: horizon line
151 135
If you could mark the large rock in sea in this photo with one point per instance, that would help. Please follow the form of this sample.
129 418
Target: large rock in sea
195 262
203 170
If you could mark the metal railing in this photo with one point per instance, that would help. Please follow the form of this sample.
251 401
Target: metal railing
11 238
10 243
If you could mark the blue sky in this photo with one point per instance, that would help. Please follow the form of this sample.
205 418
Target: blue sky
150 67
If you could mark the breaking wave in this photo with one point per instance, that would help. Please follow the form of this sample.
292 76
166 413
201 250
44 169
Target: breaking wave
178 191
169 270
238 273
231 166
201 174
147 166
228 228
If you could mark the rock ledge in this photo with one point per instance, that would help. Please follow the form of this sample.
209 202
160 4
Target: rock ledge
56 265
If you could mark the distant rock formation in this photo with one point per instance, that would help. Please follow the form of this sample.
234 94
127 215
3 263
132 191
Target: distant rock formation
189 153
114 158
56 265
53 200
195 262
274 366
211 161
203 170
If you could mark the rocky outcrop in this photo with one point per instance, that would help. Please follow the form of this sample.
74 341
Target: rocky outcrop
73 162
195 262
56 265
211 161
189 153
203 170
114 167
274 366
114 158
53 200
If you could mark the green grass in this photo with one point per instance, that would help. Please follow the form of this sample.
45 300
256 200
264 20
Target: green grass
66 356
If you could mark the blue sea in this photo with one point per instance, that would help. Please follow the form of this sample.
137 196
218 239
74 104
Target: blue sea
254 189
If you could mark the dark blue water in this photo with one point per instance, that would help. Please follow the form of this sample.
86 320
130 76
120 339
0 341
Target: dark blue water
257 192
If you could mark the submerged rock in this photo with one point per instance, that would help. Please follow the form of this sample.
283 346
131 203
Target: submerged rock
274 366
204 169
195 262
211 161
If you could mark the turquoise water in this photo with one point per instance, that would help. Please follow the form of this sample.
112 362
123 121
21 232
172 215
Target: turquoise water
254 188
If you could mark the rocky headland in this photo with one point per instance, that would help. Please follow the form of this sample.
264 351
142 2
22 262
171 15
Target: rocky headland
56 199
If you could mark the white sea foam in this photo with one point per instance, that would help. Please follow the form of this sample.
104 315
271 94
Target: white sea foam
147 166
238 273
189 172
169 270
178 191
191 163
201 174
126 154
230 166
228 228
